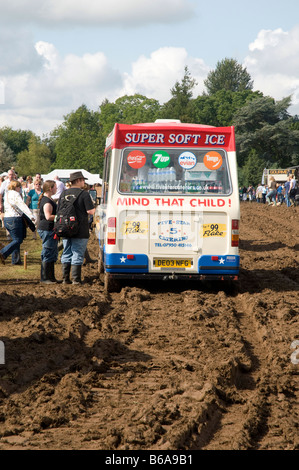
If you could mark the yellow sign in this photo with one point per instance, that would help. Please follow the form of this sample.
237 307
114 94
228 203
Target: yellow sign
172 263
280 172
134 227
213 230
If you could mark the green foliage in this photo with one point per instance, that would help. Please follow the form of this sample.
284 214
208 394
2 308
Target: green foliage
295 122
180 106
7 157
78 141
229 75
265 126
128 109
137 108
109 115
219 109
16 140
37 159
251 173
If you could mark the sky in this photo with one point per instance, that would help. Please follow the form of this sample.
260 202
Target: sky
56 55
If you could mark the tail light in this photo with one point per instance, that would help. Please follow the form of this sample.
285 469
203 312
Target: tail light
111 232
235 232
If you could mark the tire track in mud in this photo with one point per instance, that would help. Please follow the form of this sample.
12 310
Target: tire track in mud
229 410
232 409
226 411
244 415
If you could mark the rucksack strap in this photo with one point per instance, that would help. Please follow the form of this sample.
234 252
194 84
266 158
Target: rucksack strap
73 199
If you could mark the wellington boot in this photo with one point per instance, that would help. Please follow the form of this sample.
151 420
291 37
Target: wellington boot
47 271
66 269
76 274
52 272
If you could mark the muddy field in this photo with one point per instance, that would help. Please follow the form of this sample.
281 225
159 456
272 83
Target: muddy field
161 366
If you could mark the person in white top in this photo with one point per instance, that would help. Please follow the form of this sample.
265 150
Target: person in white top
11 176
60 188
13 222
293 189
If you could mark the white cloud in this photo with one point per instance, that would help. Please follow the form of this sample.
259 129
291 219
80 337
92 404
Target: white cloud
154 76
95 12
267 38
40 99
49 53
273 64
17 53
39 86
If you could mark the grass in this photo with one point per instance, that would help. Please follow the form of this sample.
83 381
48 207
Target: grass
33 249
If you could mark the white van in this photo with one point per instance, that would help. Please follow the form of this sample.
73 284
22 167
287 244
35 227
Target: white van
170 203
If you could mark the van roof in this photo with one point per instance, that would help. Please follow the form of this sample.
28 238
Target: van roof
119 137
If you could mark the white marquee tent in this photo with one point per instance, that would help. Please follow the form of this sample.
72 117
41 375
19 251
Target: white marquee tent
65 174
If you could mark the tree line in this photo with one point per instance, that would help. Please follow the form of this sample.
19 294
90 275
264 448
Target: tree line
267 136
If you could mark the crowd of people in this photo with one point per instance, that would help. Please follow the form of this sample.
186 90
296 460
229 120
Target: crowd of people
39 201
274 193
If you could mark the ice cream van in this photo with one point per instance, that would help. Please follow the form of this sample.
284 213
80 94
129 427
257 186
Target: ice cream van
170 203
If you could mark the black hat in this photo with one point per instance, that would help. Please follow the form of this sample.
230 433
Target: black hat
77 175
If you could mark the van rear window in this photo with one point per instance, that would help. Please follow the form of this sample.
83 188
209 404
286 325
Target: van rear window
174 171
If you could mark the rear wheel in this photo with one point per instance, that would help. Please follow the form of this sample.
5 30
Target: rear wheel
110 284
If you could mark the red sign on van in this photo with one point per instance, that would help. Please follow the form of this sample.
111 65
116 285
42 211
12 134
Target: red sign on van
136 159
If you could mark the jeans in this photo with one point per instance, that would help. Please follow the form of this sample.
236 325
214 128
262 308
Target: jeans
271 194
49 252
74 250
17 231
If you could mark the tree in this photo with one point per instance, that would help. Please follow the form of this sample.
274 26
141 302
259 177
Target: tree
109 115
219 109
229 75
17 140
79 142
37 159
7 157
295 122
129 110
179 106
265 126
137 108
252 170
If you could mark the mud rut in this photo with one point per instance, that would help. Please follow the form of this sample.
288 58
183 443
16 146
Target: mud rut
159 365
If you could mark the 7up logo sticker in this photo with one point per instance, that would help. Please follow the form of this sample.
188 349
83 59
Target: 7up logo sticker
161 159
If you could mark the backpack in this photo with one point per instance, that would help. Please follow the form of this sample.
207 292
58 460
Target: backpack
66 223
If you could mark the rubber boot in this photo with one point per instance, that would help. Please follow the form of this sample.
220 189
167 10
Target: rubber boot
46 273
66 269
52 272
76 273
42 272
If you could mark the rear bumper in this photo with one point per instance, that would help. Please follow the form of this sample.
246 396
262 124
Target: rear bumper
208 267
175 276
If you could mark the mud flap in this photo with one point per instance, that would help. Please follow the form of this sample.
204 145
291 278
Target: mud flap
111 284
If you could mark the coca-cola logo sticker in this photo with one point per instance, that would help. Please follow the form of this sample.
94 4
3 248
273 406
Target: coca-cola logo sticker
136 159
187 160
212 160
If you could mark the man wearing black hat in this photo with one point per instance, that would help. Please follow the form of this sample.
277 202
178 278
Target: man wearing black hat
74 248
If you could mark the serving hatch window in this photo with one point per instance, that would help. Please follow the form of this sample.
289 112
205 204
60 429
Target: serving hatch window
173 171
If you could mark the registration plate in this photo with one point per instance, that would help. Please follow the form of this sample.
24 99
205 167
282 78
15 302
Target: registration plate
172 263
